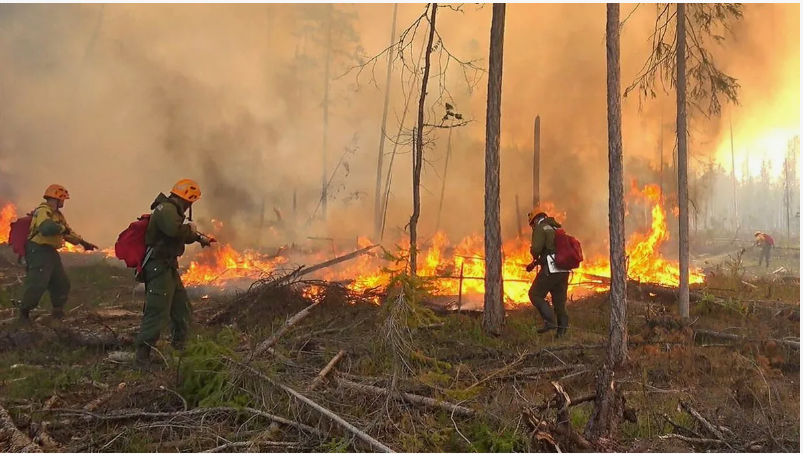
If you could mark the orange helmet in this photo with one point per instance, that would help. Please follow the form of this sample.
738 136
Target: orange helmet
187 190
56 191
533 215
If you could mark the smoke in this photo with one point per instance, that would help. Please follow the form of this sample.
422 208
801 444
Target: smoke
118 104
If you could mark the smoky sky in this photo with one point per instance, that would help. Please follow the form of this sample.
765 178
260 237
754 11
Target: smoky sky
118 104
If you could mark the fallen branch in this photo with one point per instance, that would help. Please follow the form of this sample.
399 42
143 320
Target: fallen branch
325 371
342 422
795 345
704 422
93 405
19 441
188 414
274 338
703 441
412 398
307 270
252 444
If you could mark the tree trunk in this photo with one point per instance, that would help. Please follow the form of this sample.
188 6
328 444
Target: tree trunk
443 183
733 180
683 182
324 182
617 332
537 162
494 311
380 157
418 148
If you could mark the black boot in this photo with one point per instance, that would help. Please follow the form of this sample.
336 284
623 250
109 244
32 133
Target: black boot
57 313
144 356
547 314
563 324
24 317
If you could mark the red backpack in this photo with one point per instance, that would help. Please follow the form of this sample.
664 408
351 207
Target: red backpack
20 234
130 245
568 253
769 240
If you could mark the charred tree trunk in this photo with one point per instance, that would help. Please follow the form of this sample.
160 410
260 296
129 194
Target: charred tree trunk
683 182
324 182
382 136
494 311
418 147
617 332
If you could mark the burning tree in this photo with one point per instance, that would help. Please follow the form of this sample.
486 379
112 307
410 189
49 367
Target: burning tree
668 63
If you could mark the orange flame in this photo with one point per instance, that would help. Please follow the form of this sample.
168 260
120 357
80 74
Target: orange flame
7 215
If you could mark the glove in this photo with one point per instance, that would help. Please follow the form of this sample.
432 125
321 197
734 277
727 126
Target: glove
206 241
531 266
193 228
88 246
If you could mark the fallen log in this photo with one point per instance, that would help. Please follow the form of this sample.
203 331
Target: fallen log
795 345
701 441
326 412
412 398
704 422
325 371
19 441
271 341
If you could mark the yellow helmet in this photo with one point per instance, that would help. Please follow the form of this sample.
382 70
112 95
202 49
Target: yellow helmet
757 233
187 190
535 214
56 191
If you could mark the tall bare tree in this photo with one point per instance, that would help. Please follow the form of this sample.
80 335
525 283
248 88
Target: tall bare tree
383 135
494 311
608 406
617 349
418 147
683 169
671 53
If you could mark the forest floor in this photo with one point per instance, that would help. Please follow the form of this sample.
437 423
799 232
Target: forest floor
67 387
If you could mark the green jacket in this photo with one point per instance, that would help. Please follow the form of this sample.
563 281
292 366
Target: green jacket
544 239
167 233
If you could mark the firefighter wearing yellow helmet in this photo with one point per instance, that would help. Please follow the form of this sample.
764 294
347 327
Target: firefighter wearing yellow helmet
166 298
44 270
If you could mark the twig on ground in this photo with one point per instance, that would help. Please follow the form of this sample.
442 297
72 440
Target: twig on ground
325 371
274 338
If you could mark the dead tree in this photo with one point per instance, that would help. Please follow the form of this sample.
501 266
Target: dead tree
383 135
672 52
494 312
617 332
683 169
418 148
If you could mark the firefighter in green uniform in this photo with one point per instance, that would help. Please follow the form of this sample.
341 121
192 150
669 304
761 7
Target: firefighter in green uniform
166 298
549 279
44 270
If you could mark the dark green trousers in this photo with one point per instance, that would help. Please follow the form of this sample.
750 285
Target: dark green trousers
44 272
556 284
166 300
764 255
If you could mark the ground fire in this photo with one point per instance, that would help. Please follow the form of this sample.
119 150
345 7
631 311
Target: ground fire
457 268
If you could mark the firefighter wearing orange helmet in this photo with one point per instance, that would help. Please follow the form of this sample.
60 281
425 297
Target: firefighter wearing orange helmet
766 243
166 298
44 270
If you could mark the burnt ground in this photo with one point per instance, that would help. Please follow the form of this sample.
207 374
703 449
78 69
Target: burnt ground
64 386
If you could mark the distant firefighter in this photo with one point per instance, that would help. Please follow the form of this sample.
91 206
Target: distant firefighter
766 243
